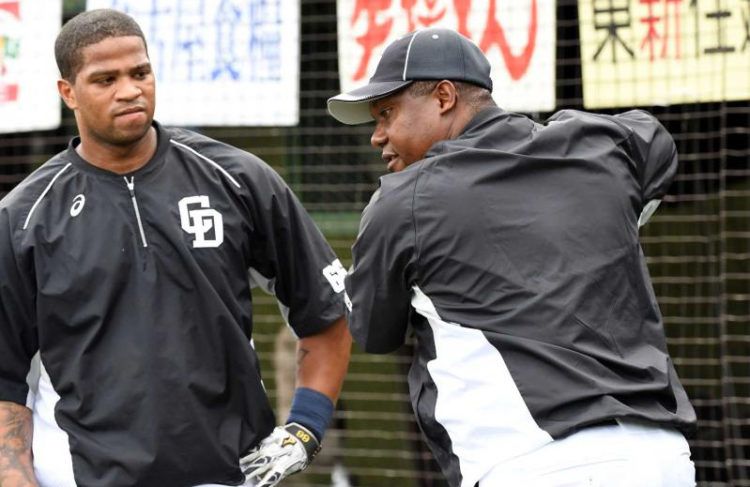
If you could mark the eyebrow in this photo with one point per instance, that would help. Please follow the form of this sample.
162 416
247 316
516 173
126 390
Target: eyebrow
375 104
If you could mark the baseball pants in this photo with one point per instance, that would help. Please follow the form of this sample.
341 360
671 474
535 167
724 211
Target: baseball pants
626 454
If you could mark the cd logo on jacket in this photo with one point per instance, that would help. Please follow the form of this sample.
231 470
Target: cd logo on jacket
199 219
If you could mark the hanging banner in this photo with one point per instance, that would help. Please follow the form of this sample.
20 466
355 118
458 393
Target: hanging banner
662 52
28 74
518 38
220 62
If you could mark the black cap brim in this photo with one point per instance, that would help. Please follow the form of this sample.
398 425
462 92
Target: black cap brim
354 107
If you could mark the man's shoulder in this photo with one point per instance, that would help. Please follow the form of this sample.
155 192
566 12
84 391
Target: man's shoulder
587 120
243 169
201 146
394 195
576 117
25 193
402 185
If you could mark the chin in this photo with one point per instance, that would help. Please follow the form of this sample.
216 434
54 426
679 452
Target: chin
130 136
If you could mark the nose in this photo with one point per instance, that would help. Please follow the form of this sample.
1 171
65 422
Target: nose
378 138
128 90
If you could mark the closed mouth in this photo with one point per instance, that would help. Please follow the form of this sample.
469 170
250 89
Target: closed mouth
128 111
387 158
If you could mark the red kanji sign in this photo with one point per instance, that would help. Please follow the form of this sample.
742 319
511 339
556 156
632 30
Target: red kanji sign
518 37
14 8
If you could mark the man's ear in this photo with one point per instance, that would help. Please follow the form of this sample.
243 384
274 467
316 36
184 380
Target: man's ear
67 93
446 94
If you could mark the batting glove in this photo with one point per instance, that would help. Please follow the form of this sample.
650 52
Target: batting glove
287 450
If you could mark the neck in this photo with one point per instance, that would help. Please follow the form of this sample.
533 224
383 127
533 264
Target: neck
463 116
459 122
119 159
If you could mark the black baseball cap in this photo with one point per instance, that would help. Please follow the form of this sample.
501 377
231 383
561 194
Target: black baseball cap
429 54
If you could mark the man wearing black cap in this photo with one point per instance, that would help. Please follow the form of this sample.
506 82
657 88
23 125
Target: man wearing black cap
511 249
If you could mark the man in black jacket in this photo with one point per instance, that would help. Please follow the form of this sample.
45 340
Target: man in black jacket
511 249
125 306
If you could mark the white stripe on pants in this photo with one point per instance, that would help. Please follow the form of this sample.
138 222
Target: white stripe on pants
629 454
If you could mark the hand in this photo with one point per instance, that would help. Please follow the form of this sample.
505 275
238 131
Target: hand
288 449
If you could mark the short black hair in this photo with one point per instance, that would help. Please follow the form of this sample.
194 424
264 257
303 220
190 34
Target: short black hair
473 95
89 28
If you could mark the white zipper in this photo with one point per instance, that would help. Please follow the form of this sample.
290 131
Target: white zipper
131 188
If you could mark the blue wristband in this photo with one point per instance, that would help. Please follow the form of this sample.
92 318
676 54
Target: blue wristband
312 410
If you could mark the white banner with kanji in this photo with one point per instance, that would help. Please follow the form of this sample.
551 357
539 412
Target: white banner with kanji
28 74
518 38
221 62
662 52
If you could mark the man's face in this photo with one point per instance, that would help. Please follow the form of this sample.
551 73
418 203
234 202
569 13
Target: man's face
406 127
113 92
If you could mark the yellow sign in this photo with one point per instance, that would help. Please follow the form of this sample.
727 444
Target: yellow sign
663 52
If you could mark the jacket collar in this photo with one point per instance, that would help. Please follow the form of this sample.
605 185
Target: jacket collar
156 161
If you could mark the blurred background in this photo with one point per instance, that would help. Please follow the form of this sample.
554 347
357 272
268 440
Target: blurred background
686 61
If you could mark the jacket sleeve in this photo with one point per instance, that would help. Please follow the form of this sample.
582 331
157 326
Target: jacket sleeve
18 339
379 283
290 257
654 152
